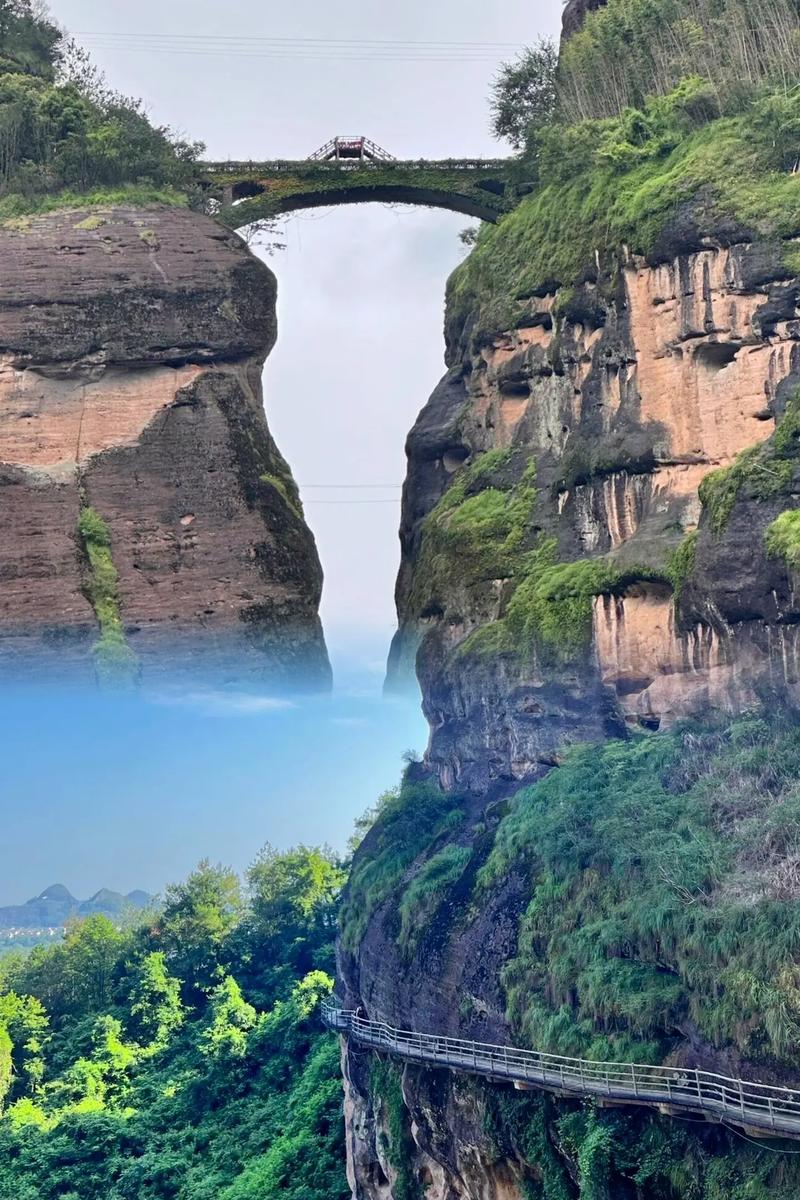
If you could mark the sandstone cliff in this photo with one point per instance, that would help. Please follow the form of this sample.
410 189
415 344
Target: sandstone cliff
600 546
590 427
562 583
131 348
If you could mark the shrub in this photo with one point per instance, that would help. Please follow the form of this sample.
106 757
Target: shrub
410 821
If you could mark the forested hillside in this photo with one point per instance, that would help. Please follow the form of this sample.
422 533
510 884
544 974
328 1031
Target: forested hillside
65 134
182 1059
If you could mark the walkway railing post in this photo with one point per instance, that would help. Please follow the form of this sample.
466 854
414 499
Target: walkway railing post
634 1081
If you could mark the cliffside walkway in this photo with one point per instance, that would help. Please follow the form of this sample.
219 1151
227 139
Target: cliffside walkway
755 1107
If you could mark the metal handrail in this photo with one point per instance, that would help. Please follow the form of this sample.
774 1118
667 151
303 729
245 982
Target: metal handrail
745 1103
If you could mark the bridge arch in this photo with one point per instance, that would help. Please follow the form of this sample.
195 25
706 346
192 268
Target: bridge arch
265 206
356 171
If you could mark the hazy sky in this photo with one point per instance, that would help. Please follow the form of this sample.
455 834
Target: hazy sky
360 349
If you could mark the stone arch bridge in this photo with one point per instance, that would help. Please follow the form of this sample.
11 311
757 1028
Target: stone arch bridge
356 171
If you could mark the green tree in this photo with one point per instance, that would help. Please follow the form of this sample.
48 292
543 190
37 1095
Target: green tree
524 94
25 1022
155 1002
28 38
230 1018
293 907
198 917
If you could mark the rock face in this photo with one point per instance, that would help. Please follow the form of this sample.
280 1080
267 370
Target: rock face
575 14
562 581
131 348
624 403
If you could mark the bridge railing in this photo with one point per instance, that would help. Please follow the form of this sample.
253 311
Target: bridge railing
739 1102
279 166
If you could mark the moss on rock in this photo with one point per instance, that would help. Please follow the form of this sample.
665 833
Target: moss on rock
782 538
115 662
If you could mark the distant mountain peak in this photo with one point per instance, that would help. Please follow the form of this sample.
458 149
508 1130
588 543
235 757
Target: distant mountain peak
56 905
56 893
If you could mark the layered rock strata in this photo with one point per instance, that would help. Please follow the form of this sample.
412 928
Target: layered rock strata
131 349
589 546
620 405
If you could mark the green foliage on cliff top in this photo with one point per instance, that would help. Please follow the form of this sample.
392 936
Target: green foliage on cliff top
65 135
183 1059
663 890
409 820
16 211
621 181
115 662
629 49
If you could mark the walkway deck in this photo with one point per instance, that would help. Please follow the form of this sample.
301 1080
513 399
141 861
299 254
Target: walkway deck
756 1107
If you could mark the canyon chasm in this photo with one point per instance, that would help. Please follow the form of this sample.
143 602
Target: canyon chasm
598 854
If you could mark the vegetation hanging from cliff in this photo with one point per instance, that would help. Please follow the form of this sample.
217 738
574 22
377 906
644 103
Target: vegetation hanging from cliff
664 886
386 1092
407 821
63 130
476 533
115 662
765 471
182 1059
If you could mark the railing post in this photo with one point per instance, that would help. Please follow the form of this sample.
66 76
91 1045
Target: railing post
633 1080
741 1097
771 1112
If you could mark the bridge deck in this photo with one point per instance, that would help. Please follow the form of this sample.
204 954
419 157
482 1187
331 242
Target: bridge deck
238 169
753 1106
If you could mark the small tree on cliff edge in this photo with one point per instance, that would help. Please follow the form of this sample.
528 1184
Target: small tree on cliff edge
524 93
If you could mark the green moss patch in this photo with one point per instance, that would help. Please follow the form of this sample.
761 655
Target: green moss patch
782 538
680 564
409 821
551 610
287 488
385 1085
765 471
115 662
426 890
477 530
